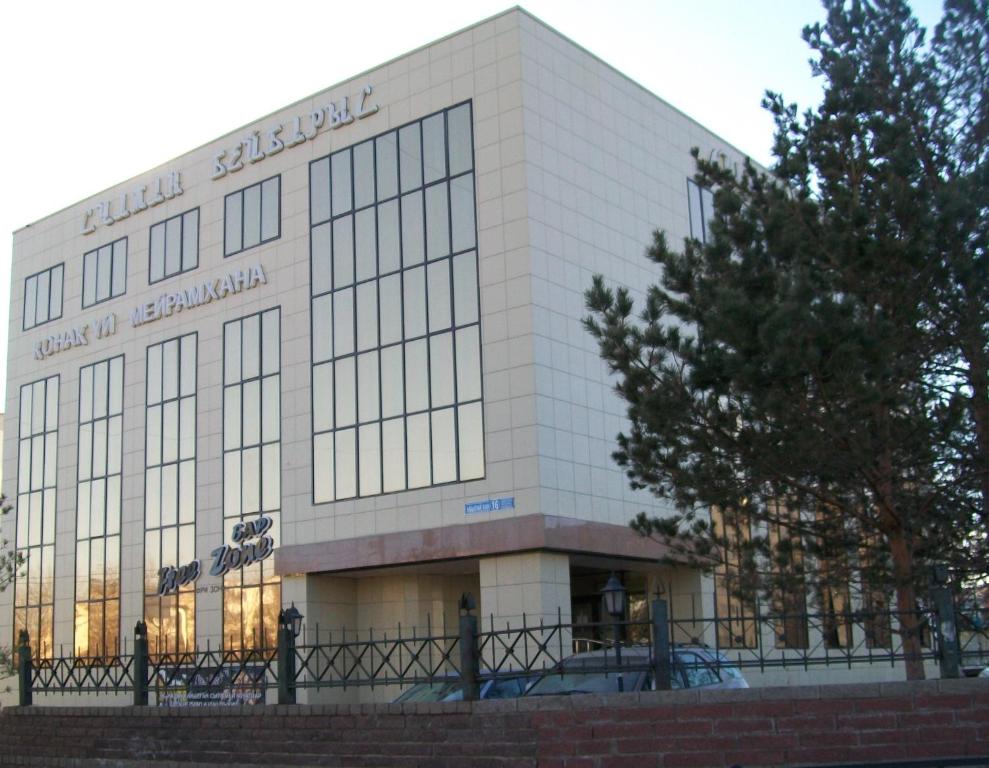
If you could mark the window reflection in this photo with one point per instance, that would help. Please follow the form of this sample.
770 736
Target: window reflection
398 249
170 483
252 459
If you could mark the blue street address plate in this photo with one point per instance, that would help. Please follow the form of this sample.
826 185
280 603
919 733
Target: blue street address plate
491 505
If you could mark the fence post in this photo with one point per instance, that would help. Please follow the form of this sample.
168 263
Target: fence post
286 661
468 648
660 645
140 664
24 668
947 628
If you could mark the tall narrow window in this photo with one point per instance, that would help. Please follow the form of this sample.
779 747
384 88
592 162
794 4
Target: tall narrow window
789 594
252 471
34 587
252 216
97 619
104 273
735 610
43 296
396 339
170 492
174 246
833 589
700 203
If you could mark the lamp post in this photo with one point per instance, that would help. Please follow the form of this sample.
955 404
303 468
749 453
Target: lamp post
289 627
613 598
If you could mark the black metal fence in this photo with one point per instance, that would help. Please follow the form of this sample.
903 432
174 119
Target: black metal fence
476 654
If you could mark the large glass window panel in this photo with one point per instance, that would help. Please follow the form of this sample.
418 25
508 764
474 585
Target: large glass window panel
319 190
412 229
250 489
390 290
252 216
118 281
343 251
89 262
156 256
416 376
322 328
392 381
461 145
410 157
44 282
433 148
346 393
444 446
414 302
173 245
386 162
389 256
364 244
439 295
233 221
323 466
346 463
250 352
364 174
271 473
418 450
393 455
367 316
251 412
441 369
370 459
340 184
437 222
322 386
30 302
270 409
462 212
367 386
271 344
190 240
322 263
343 322
270 209
468 364
104 272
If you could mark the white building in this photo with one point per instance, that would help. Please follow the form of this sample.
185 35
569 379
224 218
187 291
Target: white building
357 319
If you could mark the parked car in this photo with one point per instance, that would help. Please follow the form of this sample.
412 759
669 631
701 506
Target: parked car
597 672
450 689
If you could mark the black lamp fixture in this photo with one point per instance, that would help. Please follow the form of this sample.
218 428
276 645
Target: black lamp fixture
291 619
613 596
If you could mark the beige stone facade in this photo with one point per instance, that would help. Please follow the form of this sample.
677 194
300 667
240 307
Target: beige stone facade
572 167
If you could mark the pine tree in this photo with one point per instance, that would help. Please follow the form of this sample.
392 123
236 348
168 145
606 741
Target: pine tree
819 365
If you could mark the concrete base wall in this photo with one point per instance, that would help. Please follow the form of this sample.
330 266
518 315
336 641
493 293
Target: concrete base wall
755 727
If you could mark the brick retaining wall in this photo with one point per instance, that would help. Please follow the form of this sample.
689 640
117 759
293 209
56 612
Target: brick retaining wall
683 729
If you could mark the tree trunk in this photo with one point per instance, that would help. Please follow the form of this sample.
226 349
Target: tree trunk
906 604
978 377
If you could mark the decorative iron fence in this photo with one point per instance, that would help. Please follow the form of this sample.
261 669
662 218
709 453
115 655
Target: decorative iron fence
476 654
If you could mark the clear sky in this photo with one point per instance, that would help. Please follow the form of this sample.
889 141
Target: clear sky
95 93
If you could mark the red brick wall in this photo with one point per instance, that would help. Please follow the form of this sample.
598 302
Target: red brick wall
756 727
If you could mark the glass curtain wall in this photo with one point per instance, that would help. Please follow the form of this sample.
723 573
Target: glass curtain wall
252 471
34 586
170 491
101 405
396 346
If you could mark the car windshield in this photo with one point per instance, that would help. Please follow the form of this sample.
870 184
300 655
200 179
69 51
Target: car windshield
555 684
436 691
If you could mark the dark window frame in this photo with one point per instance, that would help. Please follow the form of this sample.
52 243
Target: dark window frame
61 304
352 211
107 652
240 193
182 224
94 253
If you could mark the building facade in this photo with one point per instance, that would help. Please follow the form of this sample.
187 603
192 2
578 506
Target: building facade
334 358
